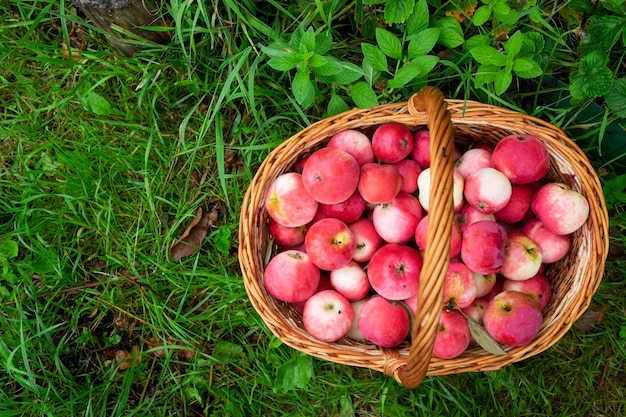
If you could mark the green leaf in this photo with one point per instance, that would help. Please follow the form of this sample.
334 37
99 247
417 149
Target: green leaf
423 42
398 11
222 239
501 10
603 32
375 56
532 45
370 74
336 105
483 338
330 68
307 43
481 15
488 55
349 73
451 34
593 79
363 95
418 67
303 88
503 81
486 74
418 20
227 352
295 374
477 40
613 190
285 62
389 43
514 44
526 68
317 61
323 43
274 50
98 105
616 99
9 249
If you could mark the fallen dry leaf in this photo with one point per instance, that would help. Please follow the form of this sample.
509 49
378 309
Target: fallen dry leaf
194 235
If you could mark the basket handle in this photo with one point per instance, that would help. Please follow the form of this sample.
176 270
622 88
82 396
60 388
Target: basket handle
440 218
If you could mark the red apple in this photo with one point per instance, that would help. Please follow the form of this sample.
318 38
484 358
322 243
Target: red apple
476 309
392 142
518 206
488 190
470 214
553 246
350 281
330 244
394 271
522 257
522 158
355 143
327 316
347 211
290 276
379 183
460 285
472 160
383 323
482 247
330 175
324 284
561 209
355 332
453 335
409 171
484 284
396 221
287 236
455 241
421 148
367 239
513 318
288 202
538 287
423 186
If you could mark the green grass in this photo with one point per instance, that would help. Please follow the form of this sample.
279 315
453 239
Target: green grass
104 162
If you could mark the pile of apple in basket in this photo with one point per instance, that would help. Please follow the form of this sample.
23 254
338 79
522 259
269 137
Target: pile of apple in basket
351 220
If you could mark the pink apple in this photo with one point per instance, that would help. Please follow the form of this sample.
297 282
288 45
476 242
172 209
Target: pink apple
522 158
290 276
553 246
327 316
421 148
330 244
324 284
355 332
287 236
518 206
497 287
394 271
538 287
367 239
513 318
522 257
288 202
455 240
392 142
409 171
299 165
355 143
482 248
396 221
347 211
383 323
453 335
350 281
460 285
561 209
472 160
470 214
411 304
476 309
423 186
330 175
379 183
484 284
488 190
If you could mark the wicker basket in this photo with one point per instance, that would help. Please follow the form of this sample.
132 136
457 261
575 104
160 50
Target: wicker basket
574 279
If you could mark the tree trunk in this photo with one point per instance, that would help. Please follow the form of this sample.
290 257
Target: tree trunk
129 15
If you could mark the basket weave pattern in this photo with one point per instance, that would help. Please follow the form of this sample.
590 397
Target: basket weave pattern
574 279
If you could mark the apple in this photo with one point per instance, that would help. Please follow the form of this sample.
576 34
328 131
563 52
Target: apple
350 281
497 287
411 304
367 239
379 183
392 142
421 148
397 220
460 285
470 214
455 241
453 335
522 257
409 171
287 236
513 318
327 316
330 175
355 143
484 284
423 186
561 209
522 158
290 276
488 190
472 160
288 202
355 332
483 245
553 246
383 323
538 287
347 211
330 244
324 284
476 309
518 206
394 271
